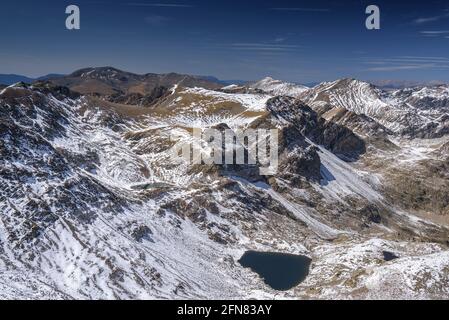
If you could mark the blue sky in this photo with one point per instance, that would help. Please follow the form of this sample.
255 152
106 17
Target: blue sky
301 41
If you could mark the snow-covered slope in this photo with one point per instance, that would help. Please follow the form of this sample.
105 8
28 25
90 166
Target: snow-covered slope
416 112
279 88
93 207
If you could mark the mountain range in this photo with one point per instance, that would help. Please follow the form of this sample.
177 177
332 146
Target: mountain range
9 79
94 207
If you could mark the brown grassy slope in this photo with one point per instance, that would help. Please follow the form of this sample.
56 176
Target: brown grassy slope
107 81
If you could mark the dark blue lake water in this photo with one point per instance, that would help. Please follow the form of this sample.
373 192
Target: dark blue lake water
278 270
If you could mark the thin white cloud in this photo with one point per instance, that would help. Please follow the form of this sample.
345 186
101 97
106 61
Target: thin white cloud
160 5
279 39
435 32
380 63
423 58
402 67
424 20
409 60
405 63
406 60
302 9
264 47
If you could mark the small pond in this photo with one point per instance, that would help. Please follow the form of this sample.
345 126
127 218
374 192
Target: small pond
280 271
389 256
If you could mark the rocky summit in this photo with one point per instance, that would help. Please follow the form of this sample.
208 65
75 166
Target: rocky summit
93 205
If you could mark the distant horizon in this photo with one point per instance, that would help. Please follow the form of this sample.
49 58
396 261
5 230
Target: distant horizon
34 78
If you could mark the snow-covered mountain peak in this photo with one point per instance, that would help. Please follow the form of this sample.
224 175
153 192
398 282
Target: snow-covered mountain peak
280 88
411 112
350 84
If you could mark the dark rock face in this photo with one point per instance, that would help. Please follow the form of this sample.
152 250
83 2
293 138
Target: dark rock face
358 123
389 256
372 213
299 164
294 111
340 140
141 232
156 94
222 127
431 130
298 160
121 97
138 99
59 92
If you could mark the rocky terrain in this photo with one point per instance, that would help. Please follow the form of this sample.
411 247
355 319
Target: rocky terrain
411 113
93 206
